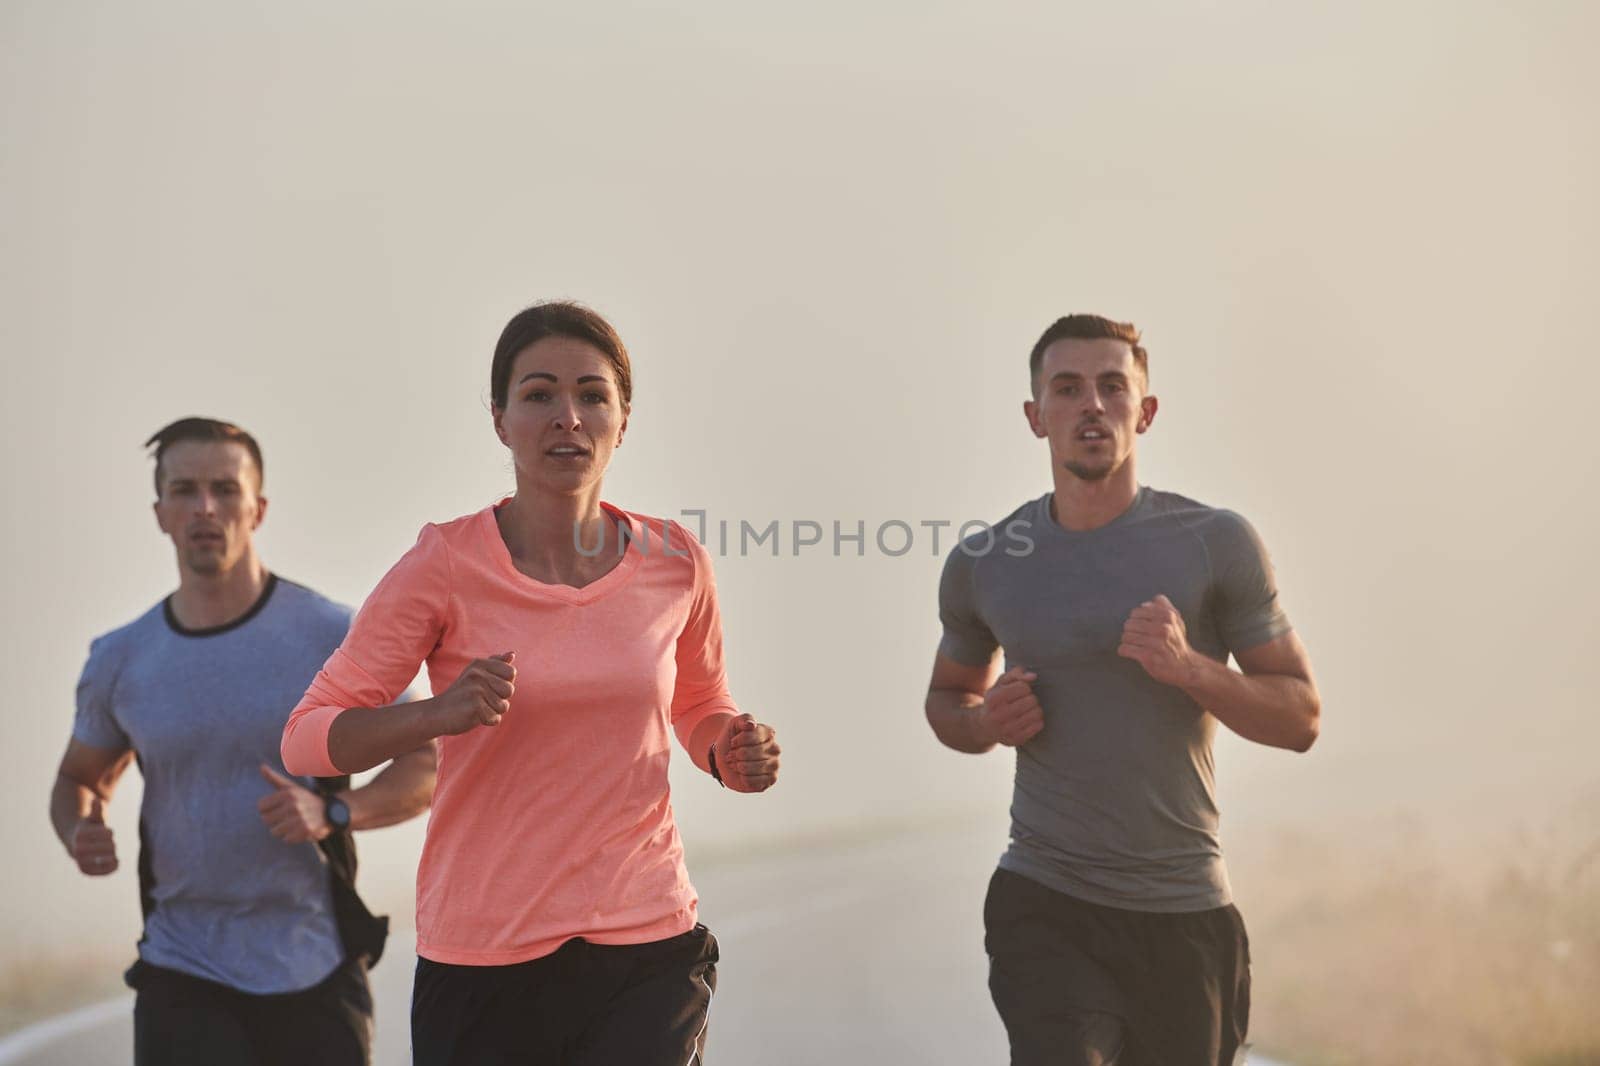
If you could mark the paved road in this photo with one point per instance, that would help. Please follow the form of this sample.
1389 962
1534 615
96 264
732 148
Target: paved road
869 953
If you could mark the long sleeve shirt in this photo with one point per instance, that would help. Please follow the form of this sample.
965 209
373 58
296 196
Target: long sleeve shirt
556 823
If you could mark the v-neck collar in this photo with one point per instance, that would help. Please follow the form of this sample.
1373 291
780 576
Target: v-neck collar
602 586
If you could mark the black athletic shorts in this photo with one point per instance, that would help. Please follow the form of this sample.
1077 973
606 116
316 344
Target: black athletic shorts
1081 984
179 1020
583 1005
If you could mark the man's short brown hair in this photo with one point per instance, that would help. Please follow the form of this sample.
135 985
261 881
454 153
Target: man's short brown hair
203 429
1087 328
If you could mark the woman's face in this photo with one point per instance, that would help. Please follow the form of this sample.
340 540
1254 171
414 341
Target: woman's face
563 415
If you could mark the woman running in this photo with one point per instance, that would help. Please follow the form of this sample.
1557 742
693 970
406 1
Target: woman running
563 637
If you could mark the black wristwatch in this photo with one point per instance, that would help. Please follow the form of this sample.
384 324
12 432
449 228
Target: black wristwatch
337 811
711 761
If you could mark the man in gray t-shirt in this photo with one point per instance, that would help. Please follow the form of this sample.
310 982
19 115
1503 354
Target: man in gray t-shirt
1110 926
255 944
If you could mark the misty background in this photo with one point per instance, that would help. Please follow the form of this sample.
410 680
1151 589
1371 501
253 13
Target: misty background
1362 242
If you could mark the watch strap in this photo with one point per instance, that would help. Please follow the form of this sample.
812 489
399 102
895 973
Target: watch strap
332 803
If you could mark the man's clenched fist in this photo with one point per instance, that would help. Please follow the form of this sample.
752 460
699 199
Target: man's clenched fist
292 813
92 846
1011 714
480 696
1155 637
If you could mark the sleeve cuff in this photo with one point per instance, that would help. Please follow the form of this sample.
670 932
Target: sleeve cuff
305 742
686 723
965 651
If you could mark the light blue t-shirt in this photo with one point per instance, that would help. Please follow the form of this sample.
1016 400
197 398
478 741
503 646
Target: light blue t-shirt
202 710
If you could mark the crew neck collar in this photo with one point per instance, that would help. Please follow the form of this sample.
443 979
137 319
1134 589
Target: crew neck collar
211 631
1133 510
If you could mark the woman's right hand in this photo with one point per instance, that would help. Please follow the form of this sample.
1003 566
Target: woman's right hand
480 696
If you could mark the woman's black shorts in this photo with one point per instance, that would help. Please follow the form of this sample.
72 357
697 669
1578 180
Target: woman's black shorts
583 1005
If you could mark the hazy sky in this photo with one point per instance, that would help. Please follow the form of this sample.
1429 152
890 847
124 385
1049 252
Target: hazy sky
1362 241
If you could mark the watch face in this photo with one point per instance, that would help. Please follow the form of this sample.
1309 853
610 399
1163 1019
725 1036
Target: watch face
338 813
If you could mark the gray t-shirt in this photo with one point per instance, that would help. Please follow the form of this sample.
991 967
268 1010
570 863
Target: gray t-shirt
1115 800
203 710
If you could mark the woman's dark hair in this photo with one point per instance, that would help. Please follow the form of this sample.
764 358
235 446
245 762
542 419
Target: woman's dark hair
557 318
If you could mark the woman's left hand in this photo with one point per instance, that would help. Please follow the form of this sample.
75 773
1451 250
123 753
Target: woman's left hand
747 754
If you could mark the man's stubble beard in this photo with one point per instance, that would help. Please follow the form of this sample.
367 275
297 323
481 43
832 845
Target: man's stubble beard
1089 473
206 564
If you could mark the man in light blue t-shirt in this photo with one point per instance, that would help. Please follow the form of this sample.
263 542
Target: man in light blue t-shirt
255 943
1110 927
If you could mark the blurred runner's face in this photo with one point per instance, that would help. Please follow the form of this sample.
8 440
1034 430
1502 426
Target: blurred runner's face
210 503
1091 405
563 416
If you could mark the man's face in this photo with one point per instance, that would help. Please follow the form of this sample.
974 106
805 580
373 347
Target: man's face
1090 403
210 503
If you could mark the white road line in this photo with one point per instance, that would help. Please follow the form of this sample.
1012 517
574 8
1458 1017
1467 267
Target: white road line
31 1038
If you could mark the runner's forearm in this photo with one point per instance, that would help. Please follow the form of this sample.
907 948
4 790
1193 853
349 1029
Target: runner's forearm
69 803
85 775
362 737
705 734
954 716
400 791
1277 710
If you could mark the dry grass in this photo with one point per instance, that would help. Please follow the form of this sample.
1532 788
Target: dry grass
1398 955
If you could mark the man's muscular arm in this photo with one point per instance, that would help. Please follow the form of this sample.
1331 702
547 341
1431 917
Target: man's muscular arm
1275 700
973 708
82 788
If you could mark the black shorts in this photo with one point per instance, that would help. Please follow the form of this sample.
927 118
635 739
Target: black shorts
179 1020
582 1005
1078 983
